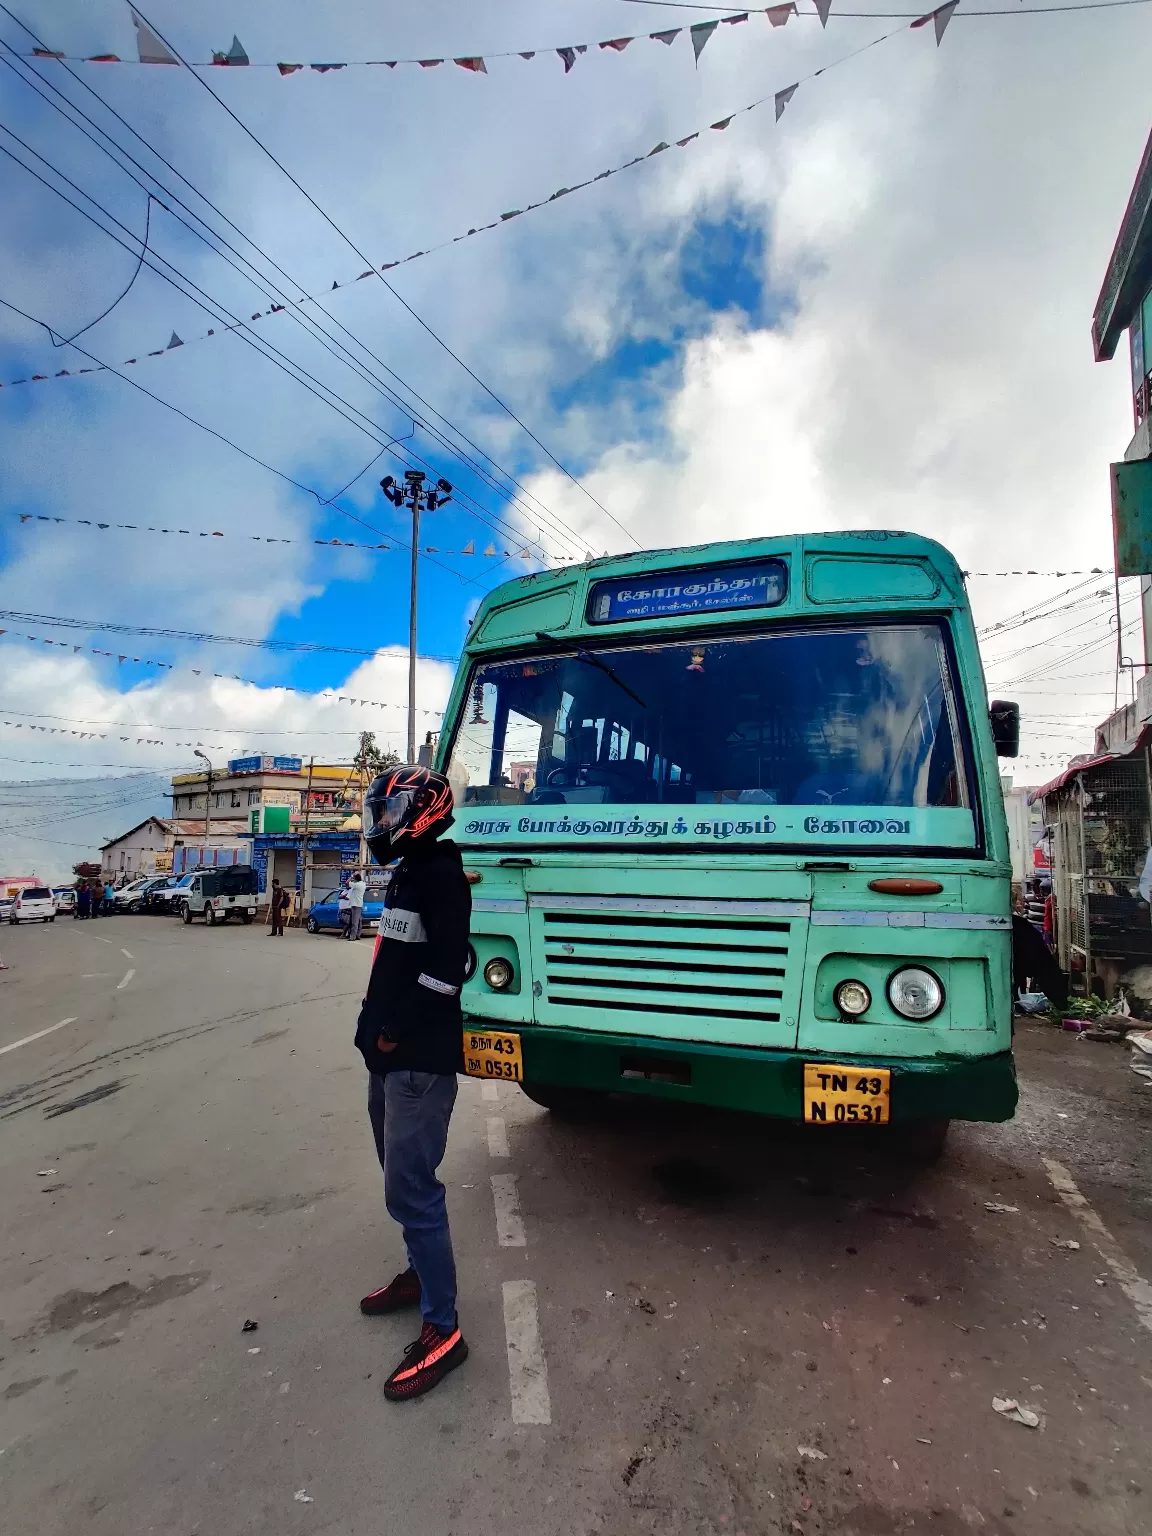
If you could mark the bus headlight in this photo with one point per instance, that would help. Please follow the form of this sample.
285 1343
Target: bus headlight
498 974
852 998
915 993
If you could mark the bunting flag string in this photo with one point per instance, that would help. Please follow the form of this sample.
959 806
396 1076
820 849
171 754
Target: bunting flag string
150 49
328 695
468 549
779 99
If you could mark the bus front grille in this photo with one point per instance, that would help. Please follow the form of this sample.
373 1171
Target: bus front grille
711 967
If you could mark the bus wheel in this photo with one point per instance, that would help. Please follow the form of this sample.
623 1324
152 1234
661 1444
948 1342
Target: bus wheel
569 1103
923 1140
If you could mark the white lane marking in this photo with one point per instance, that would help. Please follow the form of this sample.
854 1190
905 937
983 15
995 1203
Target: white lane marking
95 975
1137 1290
127 954
99 940
128 975
39 1035
490 1091
527 1372
497 1138
509 1224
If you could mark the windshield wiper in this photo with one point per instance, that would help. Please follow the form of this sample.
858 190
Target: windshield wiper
594 661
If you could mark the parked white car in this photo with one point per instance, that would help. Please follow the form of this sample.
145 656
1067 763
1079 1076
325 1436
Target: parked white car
34 905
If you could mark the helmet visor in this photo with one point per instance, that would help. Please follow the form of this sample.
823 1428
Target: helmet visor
389 815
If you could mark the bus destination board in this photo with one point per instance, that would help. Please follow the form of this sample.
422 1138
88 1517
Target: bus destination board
712 589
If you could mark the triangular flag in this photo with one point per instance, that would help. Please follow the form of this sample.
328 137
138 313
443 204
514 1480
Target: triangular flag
701 32
722 124
151 49
823 7
477 65
235 54
783 98
290 69
666 37
528 55
658 150
778 14
524 555
430 63
618 43
734 21
569 57
939 18
469 548
680 143
491 550
175 342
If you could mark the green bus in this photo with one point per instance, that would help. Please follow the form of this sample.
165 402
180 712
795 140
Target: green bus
733 821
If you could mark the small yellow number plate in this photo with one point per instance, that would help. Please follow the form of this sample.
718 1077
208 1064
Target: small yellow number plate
846 1095
490 1054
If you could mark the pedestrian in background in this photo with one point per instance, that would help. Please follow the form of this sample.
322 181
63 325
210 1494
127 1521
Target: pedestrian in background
355 905
83 900
278 907
109 896
95 896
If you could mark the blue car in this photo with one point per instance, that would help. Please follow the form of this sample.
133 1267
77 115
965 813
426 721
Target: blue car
325 914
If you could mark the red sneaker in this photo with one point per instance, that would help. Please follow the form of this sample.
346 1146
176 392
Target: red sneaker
402 1292
426 1362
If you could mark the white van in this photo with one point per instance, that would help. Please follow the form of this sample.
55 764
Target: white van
34 905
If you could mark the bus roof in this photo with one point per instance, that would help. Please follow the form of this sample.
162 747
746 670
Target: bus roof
817 574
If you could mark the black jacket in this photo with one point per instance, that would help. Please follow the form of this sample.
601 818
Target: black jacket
414 989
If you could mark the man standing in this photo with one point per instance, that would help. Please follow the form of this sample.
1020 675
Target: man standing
83 900
355 905
278 907
410 1033
109 896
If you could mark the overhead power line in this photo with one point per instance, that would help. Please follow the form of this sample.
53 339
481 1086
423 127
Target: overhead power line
491 393
60 621
220 245
257 341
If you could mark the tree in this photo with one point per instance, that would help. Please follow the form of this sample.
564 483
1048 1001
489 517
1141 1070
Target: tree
371 759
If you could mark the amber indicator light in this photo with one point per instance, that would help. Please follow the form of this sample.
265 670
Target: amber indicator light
905 885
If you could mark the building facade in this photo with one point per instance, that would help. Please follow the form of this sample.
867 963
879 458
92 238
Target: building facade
324 794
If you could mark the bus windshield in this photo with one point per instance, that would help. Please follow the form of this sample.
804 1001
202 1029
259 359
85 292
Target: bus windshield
834 720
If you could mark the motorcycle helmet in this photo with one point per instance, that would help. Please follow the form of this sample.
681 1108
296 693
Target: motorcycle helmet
404 804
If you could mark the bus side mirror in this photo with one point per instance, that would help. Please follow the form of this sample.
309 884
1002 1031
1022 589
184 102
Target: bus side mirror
1005 719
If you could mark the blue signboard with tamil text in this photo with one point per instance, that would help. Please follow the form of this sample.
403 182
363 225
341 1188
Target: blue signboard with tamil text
759 584
266 765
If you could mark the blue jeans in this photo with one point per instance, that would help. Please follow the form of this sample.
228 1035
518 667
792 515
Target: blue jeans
410 1112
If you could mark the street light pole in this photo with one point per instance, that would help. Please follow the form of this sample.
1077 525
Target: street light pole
412 632
207 796
415 495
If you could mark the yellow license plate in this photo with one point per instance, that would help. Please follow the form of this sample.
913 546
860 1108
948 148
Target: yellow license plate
493 1054
846 1095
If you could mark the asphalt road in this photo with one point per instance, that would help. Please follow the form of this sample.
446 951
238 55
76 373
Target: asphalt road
662 1308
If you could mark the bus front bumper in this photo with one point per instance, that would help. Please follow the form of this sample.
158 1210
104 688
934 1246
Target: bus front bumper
766 1082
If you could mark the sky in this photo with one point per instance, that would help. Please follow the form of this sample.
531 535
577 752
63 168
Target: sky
873 312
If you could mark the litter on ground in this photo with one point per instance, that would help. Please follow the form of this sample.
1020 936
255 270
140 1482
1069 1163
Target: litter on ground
810 1453
1009 1408
303 1498
1068 1243
250 1325
1005 1210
